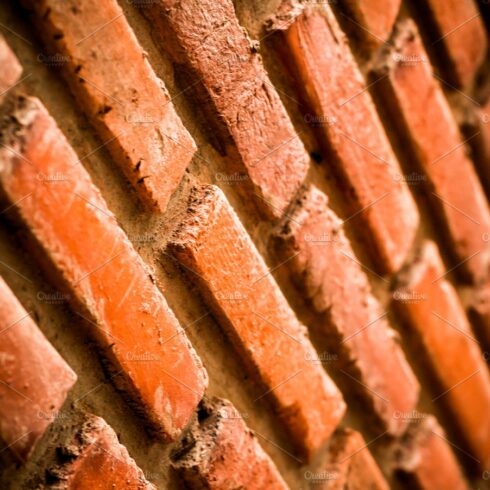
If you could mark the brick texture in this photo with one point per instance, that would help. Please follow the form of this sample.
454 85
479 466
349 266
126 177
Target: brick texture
326 271
10 69
118 90
350 129
218 441
34 378
242 106
441 331
405 80
213 246
108 283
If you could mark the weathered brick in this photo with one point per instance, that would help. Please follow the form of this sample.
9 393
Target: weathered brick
219 453
456 30
10 69
236 283
370 21
424 460
326 272
406 86
226 75
109 74
34 378
348 464
92 258
445 344
91 457
349 127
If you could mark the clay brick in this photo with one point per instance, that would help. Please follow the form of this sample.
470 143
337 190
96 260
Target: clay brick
441 333
348 464
92 258
370 21
406 87
237 285
425 460
34 378
225 74
219 453
92 458
457 32
347 123
109 75
325 271
10 68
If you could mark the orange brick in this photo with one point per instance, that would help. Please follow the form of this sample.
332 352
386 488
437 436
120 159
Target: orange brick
425 460
10 69
370 21
34 378
348 464
444 341
92 458
347 123
220 452
479 314
456 30
243 108
92 258
235 281
406 87
325 270
109 75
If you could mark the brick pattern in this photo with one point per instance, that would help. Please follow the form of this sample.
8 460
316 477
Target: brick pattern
288 276
349 127
118 90
109 285
215 249
34 378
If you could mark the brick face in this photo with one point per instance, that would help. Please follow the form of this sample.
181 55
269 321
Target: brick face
10 70
109 283
351 131
215 249
406 81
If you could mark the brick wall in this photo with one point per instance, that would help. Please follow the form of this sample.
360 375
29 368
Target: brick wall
244 245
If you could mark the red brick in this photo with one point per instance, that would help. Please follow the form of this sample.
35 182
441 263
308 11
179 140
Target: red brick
456 29
34 378
425 460
444 341
93 458
236 283
326 271
347 123
477 129
406 87
348 464
10 69
93 259
109 75
220 452
479 314
370 21
244 110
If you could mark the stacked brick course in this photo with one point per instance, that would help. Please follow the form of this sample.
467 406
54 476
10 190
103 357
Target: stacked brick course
244 244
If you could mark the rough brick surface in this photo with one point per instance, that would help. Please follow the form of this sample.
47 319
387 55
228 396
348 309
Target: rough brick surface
220 453
405 83
327 273
34 378
92 458
479 313
425 460
10 69
457 31
213 245
118 90
440 329
348 124
109 283
244 109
